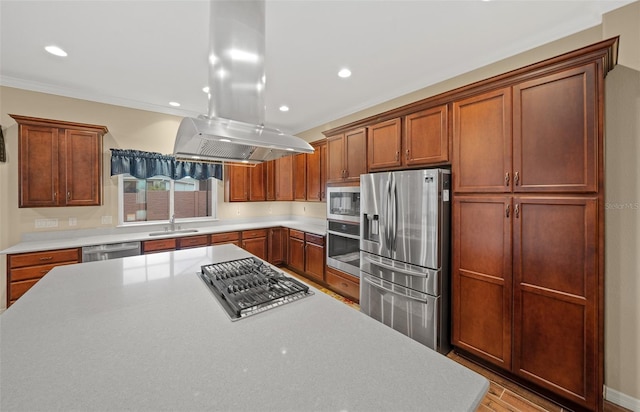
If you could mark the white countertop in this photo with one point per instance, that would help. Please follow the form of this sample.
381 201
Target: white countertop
70 239
145 333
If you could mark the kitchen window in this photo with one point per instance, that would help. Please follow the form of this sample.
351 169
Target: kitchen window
158 198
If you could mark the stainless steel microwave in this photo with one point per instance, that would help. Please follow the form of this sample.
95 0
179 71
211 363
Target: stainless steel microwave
343 203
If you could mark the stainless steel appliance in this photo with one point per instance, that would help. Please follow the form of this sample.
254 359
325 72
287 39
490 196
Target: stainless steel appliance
343 229
248 286
404 262
110 251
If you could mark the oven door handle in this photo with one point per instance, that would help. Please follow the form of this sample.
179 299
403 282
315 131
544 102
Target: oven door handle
395 269
331 232
395 292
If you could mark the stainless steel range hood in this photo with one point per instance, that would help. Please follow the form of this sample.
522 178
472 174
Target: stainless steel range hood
233 130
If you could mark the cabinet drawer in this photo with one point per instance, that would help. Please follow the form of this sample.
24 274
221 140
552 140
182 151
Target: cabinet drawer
315 239
193 241
158 245
347 287
296 234
227 237
17 289
32 272
251 234
40 258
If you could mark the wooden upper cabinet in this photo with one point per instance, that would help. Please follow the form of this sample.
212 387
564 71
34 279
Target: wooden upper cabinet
426 137
60 163
257 183
555 132
384 145
347 156
283 178
316 172
236 183
482 142
270 177
299 177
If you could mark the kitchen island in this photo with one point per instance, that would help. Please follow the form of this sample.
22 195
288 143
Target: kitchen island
145 333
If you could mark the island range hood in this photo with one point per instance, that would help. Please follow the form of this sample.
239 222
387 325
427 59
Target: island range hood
233 130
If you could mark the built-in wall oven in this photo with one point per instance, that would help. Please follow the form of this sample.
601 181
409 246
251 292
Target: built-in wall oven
343 229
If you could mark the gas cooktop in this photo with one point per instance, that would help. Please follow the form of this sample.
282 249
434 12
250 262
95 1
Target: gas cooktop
248 286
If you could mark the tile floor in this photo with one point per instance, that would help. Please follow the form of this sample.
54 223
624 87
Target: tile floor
503 395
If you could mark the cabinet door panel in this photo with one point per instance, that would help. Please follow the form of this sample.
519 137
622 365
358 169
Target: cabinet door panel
256 246
257 183
314 261
284 174
271 179
481 277
236 183
277 245
555 255
39 175
356 153
482 143
335 158
300 177
384 142
426 137
555 129
83 167
314 174
296 254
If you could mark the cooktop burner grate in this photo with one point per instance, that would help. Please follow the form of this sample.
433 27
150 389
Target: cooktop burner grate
248 286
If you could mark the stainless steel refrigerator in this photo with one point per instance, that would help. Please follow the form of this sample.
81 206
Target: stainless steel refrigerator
404 252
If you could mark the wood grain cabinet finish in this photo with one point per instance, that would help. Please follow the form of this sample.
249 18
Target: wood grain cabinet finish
270 178
299 177
258 183
159 245
193 241
482 143
342 283
314 256
256 242
316 172
284 178
384 145
278 237
296 250
226 237
25 269
425 138
236 183
347 156
541 318
60 163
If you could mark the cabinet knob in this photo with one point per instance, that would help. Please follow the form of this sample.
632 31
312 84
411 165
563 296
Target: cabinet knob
516 178
407 154
55 196
397 156
516 211
506 179
508 211
68 195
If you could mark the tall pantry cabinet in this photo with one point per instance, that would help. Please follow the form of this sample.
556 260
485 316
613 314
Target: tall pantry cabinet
528 219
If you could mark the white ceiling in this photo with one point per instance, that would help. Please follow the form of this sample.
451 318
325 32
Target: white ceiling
143 54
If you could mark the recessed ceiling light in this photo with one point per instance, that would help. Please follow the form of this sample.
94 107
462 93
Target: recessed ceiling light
284 108
55 50
174 104
344 73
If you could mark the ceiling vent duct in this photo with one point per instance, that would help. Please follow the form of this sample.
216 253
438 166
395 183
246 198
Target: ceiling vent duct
233 130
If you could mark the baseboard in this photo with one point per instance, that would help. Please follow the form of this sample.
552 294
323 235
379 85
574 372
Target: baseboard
622 399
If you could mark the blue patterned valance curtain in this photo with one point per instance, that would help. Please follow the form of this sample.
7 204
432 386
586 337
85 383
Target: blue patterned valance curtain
144 165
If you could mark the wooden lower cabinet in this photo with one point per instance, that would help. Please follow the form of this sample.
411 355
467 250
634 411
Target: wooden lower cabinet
159 245
314 256
277 245
193 241
343 283
526 295
256 242
226 237
296 250
25 269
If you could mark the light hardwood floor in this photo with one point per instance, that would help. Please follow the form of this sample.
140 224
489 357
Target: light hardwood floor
503 395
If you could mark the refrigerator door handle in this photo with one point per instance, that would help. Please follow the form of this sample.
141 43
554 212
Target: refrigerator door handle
394 216
395 269
395 292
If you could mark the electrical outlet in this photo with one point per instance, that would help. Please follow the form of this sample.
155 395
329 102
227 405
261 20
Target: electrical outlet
106 220
73 221
41 223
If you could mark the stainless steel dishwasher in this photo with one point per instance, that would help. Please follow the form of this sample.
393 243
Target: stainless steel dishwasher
110 251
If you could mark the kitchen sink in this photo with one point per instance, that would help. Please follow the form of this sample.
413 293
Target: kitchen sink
171 232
